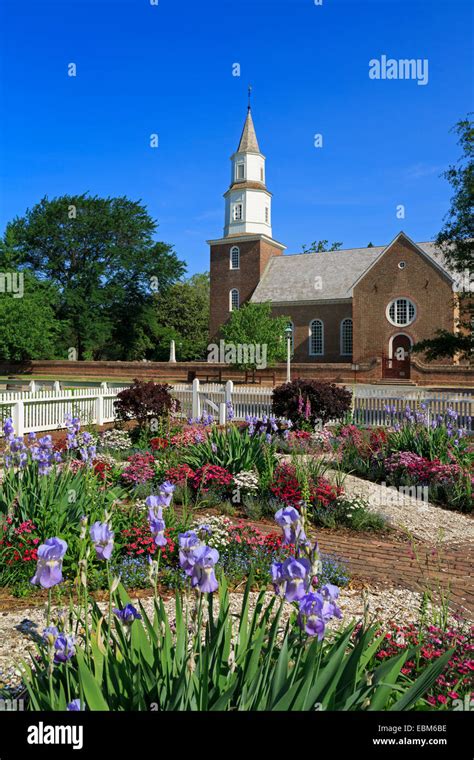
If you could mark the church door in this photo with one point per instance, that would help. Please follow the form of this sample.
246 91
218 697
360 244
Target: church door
397 364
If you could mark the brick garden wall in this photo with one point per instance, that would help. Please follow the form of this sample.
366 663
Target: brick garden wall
369 372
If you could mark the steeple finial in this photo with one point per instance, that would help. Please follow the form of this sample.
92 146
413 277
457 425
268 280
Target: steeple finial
249 94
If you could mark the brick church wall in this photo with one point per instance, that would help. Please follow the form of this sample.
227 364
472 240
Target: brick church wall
254 256
331 316
420 281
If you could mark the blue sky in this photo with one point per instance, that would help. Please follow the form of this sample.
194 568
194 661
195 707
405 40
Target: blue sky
167 69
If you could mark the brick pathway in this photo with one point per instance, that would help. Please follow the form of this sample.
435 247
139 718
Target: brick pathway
395 562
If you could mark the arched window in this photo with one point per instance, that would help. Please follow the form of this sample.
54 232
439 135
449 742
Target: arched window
346 337
235 257
234 299
401 312
316 338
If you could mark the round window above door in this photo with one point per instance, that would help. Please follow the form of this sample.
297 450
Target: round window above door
401 312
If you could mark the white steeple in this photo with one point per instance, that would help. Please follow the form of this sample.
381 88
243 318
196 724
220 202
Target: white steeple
248 204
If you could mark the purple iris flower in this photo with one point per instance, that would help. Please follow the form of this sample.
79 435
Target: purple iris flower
189 544
157 529
278 579
50 634
330 591
310 617
75 706
289 520
64 648
296 574
50 563
203 576
156 504
128 614
167 489
103 539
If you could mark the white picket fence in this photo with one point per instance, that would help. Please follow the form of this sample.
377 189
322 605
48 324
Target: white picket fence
43 410
369 404
39 411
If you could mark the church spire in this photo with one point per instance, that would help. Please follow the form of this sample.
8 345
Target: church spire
248 140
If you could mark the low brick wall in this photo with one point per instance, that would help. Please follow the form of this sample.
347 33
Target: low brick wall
369 372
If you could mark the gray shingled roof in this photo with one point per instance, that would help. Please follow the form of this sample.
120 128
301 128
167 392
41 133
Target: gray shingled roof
248 140
294 277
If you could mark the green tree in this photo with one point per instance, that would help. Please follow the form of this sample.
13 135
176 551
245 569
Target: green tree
182 314
28 325
318 246
101 255
253 324
456 242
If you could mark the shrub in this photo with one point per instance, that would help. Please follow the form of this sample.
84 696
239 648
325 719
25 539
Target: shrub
145 401
306 402
234 449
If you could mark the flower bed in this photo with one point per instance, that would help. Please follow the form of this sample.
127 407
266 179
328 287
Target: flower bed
431 453
101 515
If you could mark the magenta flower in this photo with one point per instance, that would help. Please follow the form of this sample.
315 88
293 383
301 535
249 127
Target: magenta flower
50 563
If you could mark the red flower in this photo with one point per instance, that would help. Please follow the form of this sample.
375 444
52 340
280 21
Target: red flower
158 443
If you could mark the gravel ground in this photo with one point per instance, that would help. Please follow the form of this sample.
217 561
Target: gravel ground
421 518
18 629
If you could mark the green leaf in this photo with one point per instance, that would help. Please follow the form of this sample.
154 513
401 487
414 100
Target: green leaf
92 690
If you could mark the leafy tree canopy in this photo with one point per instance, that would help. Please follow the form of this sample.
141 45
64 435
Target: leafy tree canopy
182 314
101 255
254 324
28 325
317 246
456 242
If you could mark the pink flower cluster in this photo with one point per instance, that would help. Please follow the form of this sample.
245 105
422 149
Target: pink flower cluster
420 469
189 436
211 475
456 679
140 468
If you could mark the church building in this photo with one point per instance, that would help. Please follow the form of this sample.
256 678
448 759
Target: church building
356 307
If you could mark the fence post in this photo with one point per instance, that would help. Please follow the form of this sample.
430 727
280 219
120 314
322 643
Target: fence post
229 388
32 386
104 385
57 386
99 409
18 418
222 413
196 399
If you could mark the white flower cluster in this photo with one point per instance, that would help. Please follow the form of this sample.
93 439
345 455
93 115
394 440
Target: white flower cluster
106 459
118 440
247 481
218 526
322 437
